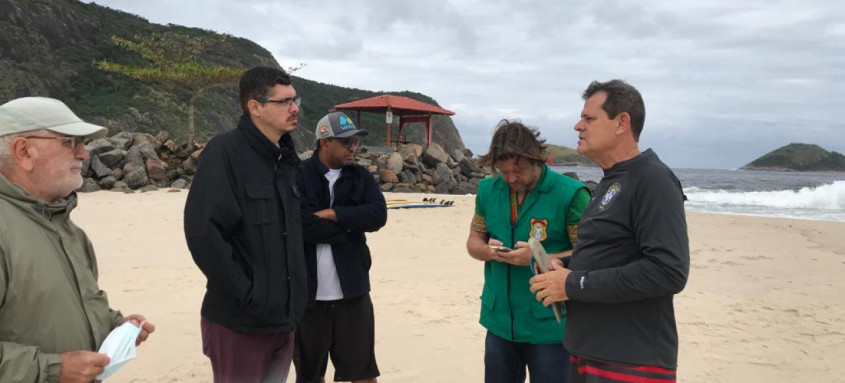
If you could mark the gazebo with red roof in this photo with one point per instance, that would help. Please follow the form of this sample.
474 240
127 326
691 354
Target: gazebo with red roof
408 110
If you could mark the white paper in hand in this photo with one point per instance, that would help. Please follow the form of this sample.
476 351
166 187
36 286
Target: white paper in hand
120 347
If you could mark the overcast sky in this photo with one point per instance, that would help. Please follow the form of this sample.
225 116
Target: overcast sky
724 82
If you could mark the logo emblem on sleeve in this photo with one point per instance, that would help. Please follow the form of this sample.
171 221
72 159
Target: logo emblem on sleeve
538 229
610 196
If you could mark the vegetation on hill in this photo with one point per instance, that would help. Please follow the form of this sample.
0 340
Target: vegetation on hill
173 64
800 157
50 47
561 155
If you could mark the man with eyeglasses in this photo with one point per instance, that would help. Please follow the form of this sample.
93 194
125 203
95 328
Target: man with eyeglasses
242 226
527 199
53 315
342 201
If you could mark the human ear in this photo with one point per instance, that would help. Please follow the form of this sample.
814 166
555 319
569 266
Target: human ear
23 154
254 110
624 124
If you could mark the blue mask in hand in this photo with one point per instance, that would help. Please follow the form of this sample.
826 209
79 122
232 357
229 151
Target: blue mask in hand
120 347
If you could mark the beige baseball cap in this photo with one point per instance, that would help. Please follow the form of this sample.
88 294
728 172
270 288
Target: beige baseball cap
35 113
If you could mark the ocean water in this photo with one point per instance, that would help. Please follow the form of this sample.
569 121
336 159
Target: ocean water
802 195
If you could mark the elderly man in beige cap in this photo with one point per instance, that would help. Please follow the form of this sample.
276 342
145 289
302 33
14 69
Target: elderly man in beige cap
53 315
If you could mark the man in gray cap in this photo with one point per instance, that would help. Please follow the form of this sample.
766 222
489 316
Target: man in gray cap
53 315
341 201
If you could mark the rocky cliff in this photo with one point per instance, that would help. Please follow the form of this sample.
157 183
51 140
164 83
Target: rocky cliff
47 48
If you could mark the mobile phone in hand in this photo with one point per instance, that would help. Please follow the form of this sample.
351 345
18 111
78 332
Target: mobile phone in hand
503 249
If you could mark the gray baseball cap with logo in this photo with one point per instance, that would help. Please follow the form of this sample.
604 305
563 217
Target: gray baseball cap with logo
36 113
337 124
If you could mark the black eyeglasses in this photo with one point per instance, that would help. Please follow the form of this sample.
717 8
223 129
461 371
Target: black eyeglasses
285 102
71 142
347 142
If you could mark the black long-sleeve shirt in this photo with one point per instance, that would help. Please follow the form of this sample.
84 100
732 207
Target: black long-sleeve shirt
632 257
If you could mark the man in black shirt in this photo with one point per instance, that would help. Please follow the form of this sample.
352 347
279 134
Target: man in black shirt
632 254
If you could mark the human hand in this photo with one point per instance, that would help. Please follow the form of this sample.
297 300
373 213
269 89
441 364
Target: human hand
139 321
519 256
81 366
550 287
492 253
328 214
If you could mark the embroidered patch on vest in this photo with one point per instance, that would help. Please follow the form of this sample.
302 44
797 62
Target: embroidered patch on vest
538 229
479 224
572 232
610 196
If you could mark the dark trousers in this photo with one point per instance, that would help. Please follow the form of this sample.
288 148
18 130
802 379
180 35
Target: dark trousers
237 357
505 361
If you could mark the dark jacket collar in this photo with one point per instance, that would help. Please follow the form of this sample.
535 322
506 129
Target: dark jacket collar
286 151
646 155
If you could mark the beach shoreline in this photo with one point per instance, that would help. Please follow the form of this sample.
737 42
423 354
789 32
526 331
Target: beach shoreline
762 302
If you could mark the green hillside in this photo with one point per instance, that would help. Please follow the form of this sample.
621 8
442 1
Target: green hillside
561 155
49 46
799 157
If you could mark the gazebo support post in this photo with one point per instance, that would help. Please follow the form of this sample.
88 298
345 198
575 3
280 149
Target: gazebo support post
428 131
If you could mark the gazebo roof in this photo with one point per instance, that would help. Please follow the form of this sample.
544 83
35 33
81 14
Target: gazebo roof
399 105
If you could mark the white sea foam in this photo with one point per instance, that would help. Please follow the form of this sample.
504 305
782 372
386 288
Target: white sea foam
825 202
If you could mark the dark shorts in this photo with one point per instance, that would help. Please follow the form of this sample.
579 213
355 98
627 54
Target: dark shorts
583 370
343 330
237 357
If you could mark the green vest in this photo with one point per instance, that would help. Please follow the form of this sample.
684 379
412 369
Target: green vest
508 308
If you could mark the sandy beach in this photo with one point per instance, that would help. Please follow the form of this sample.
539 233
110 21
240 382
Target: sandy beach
764 300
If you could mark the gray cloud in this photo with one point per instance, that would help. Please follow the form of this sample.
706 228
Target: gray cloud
724 81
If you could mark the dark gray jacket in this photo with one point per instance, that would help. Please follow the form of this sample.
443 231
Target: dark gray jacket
632 257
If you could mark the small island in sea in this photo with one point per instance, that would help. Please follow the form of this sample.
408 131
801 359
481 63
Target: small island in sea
799 157
563 156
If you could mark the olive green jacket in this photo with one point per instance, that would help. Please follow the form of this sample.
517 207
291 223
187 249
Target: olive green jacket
50 302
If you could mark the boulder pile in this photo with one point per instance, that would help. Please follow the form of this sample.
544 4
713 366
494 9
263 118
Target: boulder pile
413 169
129 162
138 161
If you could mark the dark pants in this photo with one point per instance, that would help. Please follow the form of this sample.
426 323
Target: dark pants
237 357
505 361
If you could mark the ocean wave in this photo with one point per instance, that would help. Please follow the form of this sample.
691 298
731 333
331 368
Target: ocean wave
824 197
